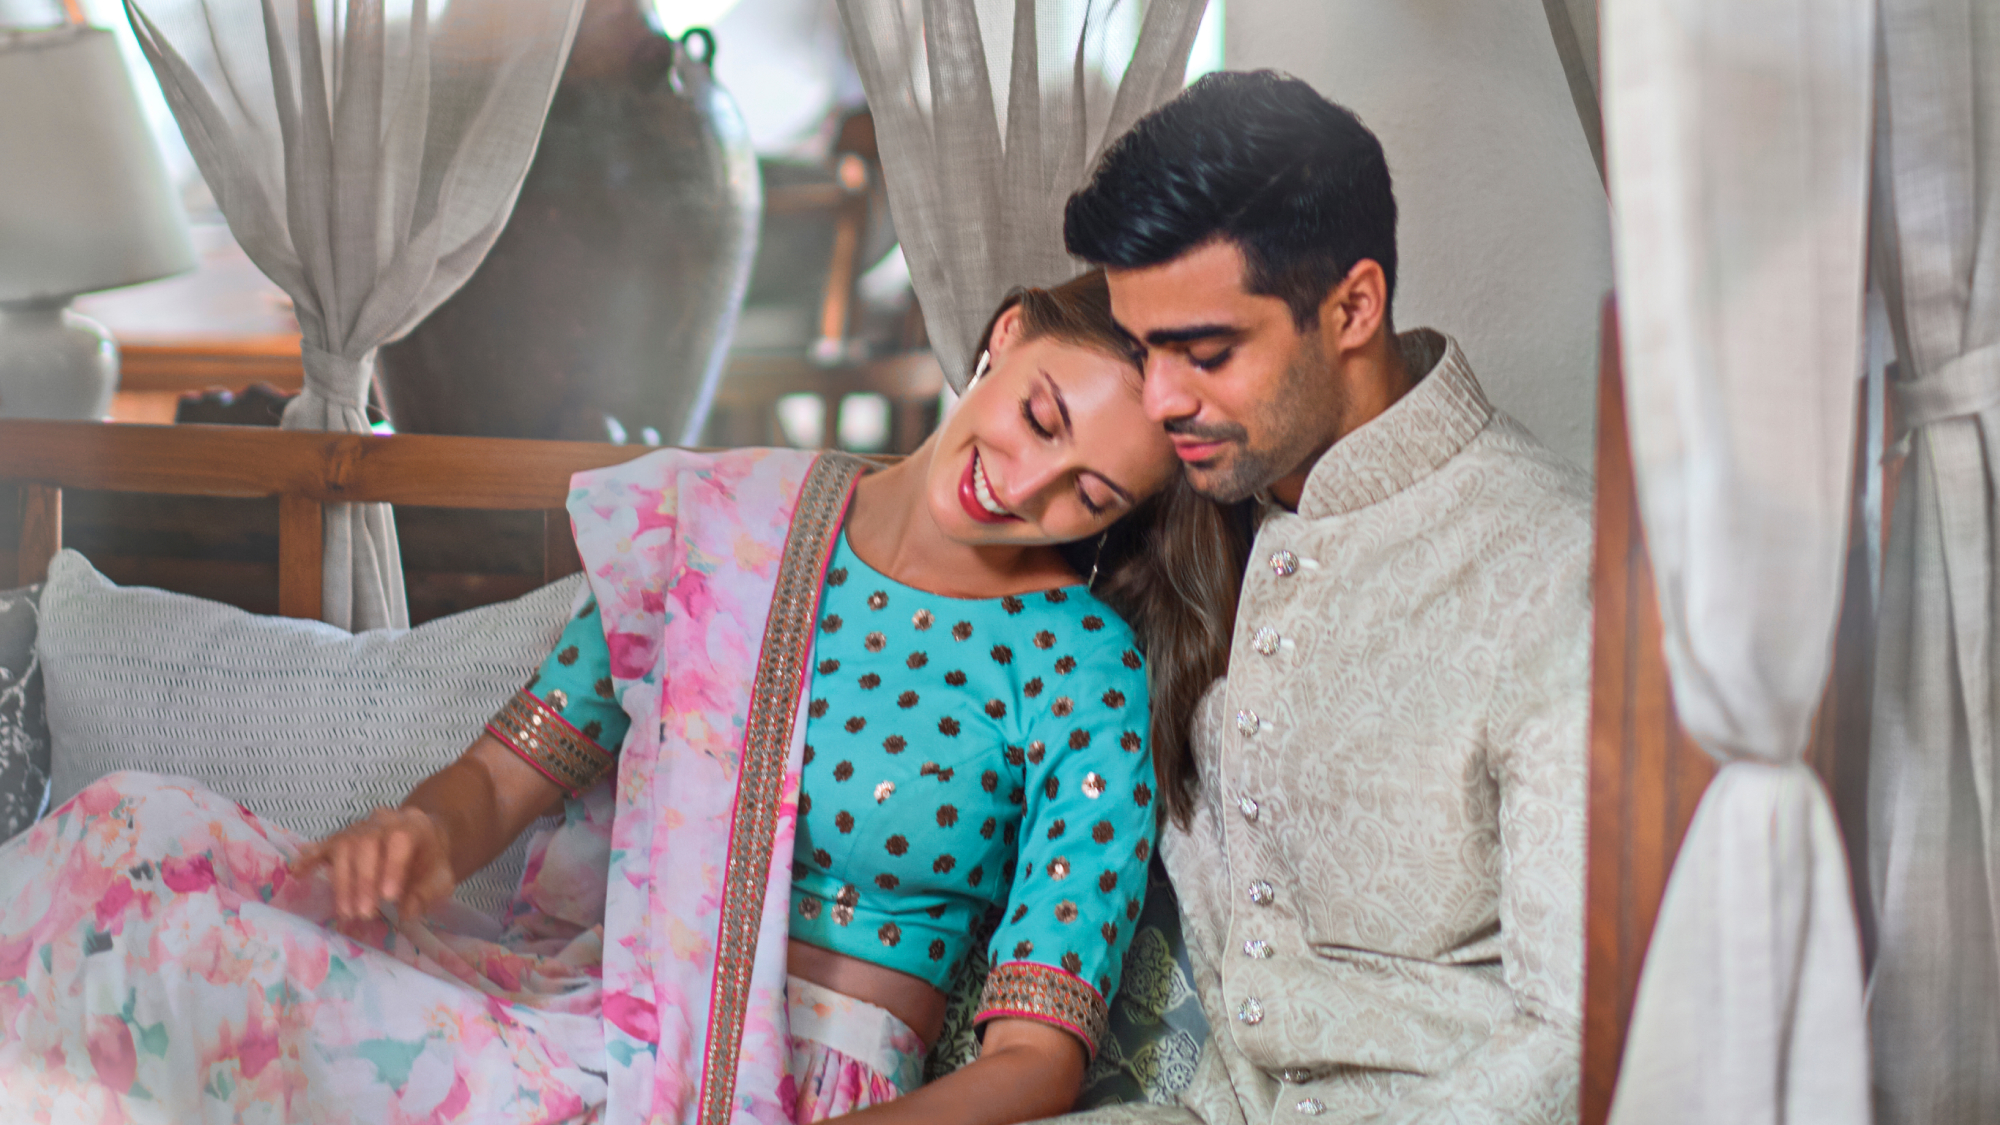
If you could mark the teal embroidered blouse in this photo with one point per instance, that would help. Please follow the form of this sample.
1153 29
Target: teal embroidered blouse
961 755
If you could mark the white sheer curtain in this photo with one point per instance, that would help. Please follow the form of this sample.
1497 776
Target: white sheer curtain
1934 829
1737 137
977 193
366 153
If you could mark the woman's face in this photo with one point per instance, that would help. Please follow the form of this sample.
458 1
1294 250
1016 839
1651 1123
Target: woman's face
1052 445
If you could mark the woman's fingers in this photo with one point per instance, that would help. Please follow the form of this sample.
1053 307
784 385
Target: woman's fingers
400 848
368 870
342 870
395 856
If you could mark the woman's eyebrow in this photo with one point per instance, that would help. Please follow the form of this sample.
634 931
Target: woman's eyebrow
1062 405
1062 408
1112 485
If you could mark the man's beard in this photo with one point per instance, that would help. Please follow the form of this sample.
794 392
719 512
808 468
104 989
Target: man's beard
1291 427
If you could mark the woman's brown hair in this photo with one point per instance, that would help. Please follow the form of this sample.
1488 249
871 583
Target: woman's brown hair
1172 568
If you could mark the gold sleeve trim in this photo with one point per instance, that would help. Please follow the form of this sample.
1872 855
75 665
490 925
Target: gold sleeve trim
1026 990
539 735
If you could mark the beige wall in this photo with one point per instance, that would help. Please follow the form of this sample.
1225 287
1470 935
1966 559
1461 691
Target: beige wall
1504 232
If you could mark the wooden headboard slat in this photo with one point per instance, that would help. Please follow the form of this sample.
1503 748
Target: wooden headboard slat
41 532
301 556
246 461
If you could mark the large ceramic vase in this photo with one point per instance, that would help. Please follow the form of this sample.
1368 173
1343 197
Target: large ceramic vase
605 308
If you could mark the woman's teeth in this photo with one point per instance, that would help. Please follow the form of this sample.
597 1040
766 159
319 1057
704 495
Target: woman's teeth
983 490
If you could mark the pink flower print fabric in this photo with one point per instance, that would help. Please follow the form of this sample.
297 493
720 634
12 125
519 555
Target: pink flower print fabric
159 963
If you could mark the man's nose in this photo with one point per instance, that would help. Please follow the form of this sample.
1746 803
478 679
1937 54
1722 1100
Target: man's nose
1167 393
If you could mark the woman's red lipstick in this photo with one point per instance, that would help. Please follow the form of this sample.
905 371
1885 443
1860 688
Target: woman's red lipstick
968 496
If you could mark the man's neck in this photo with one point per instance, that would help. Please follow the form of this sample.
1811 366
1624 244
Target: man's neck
1374 379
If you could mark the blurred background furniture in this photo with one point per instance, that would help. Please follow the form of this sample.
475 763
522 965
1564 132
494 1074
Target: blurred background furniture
816 362
607 302
84 205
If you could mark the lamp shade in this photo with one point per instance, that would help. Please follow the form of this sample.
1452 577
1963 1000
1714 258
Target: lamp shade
84 200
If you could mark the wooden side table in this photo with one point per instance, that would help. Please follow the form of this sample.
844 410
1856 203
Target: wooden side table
224 325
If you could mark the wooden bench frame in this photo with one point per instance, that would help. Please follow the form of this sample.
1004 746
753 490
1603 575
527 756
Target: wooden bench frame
303 471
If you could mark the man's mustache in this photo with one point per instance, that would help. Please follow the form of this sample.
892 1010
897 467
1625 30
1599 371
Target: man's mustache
1217 431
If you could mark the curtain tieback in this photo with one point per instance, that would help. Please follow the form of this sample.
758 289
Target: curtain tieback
1967 385
338 380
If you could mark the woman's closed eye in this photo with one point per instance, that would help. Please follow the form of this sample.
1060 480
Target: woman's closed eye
1031 413
1092 505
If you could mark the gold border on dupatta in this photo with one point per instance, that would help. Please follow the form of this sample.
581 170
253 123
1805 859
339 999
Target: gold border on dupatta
774 701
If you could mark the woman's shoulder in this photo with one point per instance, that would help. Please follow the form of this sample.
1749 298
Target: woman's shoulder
752 479
673 460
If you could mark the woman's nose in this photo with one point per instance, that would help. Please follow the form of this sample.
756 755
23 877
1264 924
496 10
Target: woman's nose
1029 480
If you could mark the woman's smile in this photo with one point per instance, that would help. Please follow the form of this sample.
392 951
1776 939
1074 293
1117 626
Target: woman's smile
975 494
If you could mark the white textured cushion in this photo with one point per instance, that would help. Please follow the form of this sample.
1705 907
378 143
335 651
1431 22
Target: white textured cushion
307 725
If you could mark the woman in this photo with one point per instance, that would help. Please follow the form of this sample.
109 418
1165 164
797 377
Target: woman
858 711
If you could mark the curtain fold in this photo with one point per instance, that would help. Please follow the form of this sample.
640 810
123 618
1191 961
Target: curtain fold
365 156
978 194
1737 144
1933 835
1573 30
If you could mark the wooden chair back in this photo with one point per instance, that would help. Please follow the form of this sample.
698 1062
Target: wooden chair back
303 471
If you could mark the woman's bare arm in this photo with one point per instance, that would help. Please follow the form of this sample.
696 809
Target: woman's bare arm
1025 1071
451 825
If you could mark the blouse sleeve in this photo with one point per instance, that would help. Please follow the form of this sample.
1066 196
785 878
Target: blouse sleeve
1086 834
566 722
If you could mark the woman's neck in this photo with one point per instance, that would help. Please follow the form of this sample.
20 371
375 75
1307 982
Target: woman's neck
890 526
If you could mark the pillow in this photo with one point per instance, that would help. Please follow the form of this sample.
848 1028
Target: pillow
305 724
24 728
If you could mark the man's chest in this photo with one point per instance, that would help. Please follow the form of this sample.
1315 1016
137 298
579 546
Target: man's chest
1347 754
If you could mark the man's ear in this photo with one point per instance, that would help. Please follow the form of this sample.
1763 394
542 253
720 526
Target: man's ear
1357 309
1007 330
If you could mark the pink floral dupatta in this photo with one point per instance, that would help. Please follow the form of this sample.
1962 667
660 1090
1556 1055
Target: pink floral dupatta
708 569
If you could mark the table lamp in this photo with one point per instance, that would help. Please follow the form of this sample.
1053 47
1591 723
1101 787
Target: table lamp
84 205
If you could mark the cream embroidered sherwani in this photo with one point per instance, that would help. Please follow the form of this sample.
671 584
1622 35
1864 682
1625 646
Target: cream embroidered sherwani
1382 886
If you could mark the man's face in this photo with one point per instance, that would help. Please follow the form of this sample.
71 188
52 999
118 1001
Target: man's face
1248 400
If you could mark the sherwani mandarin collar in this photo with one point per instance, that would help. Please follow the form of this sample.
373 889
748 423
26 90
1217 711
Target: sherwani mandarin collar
1407 442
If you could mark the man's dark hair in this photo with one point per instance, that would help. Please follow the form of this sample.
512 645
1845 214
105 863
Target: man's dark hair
1258 158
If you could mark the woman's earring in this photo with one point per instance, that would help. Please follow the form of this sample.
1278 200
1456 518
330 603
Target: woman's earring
1092 583
979 370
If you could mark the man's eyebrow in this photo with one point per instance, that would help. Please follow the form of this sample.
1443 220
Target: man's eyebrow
1188 335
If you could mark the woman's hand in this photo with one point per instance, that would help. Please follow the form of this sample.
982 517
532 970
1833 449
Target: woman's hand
398 856
453 823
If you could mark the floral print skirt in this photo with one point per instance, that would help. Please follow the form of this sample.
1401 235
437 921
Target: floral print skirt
847 1054
159 963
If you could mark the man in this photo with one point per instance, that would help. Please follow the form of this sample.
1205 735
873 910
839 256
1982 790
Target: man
1382 887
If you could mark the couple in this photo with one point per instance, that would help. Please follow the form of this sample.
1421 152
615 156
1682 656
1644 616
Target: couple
814 726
